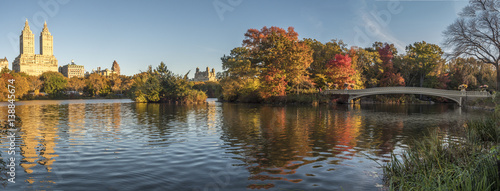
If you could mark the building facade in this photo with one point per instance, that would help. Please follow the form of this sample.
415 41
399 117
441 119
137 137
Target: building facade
204 76
4 63
31 63
115 69
72 70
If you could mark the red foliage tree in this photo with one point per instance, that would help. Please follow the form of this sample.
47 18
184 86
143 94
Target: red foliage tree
389 77
339 70
443 80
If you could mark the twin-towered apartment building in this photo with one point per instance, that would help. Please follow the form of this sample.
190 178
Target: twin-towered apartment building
36 64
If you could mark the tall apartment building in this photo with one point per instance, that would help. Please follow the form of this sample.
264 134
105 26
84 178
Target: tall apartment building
31 63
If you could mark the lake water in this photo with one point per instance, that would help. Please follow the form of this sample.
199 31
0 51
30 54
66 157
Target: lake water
121 145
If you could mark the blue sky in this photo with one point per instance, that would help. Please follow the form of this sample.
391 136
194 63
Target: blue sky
188 34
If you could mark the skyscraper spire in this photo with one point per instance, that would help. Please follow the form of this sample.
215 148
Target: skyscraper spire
45 29
46 41
27 40
26 26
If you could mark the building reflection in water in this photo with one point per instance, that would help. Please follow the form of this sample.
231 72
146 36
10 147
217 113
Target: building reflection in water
44 124
38 133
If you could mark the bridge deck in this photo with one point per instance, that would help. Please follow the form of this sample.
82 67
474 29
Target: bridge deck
409 90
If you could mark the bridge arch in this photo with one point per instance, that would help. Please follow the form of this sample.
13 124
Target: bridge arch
454 95
457 100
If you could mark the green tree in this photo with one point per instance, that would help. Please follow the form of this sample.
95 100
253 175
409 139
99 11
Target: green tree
161 85
53 83
238 64
422 58
368 65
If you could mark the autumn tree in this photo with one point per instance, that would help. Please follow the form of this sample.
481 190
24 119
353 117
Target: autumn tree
35 84
53 83
379 45
389 77
5 70
476 33
22 84
278 49
116 84
323 53
97 85
273 83
76 84
470 71
4 82
3 89
126 83
339 70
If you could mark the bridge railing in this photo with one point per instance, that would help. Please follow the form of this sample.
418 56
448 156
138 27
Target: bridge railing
409 90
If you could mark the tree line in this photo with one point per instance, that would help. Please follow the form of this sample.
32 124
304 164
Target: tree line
274 62
56 85
162 85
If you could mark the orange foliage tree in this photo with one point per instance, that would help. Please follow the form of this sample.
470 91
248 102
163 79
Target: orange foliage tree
340 71
274 49
273 83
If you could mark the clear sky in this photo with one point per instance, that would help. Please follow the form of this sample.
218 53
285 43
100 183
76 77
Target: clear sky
186 34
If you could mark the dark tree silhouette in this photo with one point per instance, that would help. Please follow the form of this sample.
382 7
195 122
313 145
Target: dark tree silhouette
476 33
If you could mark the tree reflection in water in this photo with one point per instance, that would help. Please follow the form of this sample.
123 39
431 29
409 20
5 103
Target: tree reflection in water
278 140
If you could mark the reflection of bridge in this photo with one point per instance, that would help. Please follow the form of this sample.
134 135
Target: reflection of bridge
457 96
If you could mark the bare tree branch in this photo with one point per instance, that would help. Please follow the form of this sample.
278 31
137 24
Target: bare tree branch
476 33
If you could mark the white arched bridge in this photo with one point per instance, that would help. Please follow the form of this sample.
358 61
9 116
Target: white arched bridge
457 96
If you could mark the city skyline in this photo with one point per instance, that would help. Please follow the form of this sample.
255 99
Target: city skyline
191 34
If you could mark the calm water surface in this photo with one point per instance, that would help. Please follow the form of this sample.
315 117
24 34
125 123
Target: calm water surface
122 145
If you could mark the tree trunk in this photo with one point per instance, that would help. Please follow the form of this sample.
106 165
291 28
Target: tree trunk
498 77
421 80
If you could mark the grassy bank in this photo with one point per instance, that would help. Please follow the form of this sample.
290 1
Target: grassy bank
437 164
